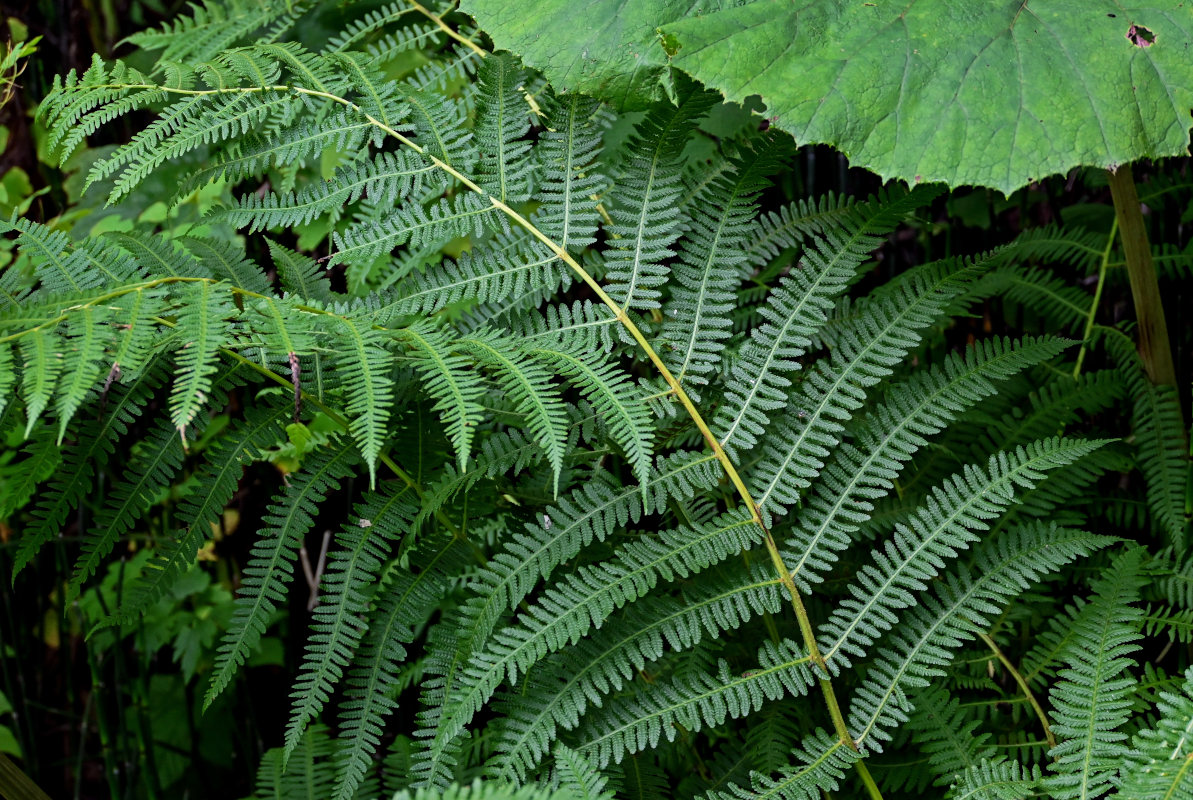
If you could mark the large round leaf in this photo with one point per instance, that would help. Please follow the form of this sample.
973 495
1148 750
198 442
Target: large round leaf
991 93
995 93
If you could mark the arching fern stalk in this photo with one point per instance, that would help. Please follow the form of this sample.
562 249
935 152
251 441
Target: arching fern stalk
661 489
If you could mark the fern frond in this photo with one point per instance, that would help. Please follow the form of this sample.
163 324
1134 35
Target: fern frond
615 398
299 275
1162 762
585 599
570 146
575 774
451 381
339 619
912 411
386 179
1160 435
695 702
996 780
271 566
558 694
874 343
643 205
1091 699
145 477
946 734
203 326
959 608
502 122
458 217
711 255
366 374
528 386
821 762
41 353
94 443
201 510
947 522
407 601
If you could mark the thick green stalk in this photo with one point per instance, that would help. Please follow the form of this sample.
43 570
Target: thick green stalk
1153 344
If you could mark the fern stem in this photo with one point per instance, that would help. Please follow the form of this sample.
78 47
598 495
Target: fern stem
868 779
1093 307
438 20
1031 698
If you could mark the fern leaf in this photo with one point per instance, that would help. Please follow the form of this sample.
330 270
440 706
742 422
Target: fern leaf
1160 433
299 275
570 146
271 566
962 605
575 774
528 386
388 178
502 122
145 476
447 377
591 511
946 523
369 386
41 351
1161 765
81 365
1091 699
944 733
644 208
616 400
93 447
822 760
558 694
203 326
912 411
201 510
997 780
711 258
876 341
339 618
227 262
406 603
584 599
695 702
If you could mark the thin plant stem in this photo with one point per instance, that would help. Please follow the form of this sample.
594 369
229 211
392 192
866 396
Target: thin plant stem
868 780
1027 692
1093 306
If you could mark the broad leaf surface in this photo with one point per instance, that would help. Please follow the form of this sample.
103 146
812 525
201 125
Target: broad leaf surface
996 93
604 48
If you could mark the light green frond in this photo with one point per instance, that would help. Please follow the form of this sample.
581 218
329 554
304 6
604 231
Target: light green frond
528 386
833 391
1091 698
1162 763
451 380
203 327
271 566
365 542
644 204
